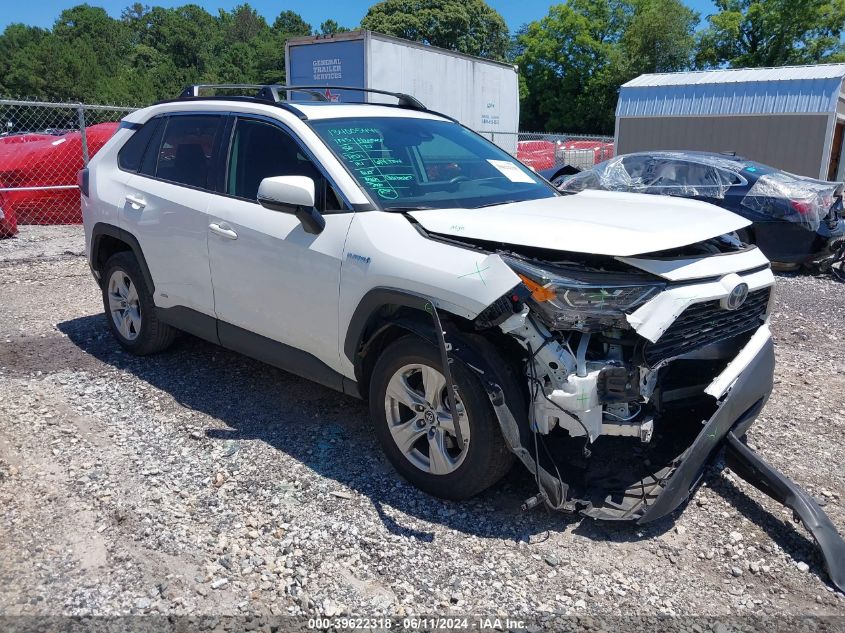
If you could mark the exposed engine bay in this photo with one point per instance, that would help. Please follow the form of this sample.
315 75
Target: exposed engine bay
618 360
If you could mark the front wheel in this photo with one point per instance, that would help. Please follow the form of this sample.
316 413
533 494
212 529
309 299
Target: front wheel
409 408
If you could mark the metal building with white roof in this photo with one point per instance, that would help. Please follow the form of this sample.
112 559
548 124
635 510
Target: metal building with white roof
792 117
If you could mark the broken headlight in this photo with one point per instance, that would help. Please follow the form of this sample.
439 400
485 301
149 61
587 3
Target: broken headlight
583 300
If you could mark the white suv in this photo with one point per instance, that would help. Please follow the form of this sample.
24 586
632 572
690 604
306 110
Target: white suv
609 341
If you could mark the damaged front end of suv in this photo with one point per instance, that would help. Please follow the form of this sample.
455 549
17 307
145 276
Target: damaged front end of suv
636 372
636 368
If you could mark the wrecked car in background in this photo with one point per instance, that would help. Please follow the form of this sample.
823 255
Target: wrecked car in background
38 175
611 342
795 220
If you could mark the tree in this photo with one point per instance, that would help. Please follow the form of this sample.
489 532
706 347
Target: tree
773 33
330 27
82 58
149 53
291 24
467 26
658 37
187 35
270 65
565 58
574 59
18 68
242 24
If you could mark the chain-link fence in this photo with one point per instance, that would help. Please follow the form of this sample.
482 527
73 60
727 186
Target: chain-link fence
42 148
542 150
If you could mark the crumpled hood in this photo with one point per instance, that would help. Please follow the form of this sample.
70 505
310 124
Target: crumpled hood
592 222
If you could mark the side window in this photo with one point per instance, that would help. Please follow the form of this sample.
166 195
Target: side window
130 155
185 154
668 174
690 179
731 177
261 150
636 165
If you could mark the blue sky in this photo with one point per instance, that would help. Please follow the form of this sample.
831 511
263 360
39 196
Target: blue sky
346 12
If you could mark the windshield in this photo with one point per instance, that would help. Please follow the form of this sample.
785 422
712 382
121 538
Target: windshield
406 163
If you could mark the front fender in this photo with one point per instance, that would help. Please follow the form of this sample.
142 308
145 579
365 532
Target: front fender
387 259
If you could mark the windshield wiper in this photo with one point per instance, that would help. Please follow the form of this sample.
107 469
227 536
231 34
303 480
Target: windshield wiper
495 204
411 208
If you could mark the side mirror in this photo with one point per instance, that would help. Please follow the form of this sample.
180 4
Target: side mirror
292 194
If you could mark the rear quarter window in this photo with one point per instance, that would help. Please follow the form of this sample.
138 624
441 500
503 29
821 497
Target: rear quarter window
129 156
150 161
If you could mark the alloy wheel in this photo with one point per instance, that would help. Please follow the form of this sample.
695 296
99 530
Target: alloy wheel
420 421
124 305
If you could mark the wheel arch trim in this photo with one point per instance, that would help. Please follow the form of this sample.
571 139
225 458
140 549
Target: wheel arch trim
102 229
365 315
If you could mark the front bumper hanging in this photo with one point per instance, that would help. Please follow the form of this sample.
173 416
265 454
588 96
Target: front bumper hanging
751 467
741 404
743 390
744 393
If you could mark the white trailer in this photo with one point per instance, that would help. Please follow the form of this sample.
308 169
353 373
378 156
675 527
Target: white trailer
480 93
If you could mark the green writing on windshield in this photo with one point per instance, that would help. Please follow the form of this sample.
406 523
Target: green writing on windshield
377 166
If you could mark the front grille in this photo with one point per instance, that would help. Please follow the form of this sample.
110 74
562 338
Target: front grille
705 323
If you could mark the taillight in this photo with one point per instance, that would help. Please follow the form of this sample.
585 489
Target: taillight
82 181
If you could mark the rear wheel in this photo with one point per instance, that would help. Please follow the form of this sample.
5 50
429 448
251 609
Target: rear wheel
410 410
129 308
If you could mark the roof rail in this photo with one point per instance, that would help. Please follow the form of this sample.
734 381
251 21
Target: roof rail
271 92
405 100
264 92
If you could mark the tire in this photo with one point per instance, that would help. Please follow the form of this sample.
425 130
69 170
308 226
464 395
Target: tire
785 267
837 264
123 285
462 474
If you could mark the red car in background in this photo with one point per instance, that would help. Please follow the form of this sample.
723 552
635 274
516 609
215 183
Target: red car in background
44 160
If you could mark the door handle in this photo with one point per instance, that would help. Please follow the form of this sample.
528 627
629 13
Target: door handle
137 202
223 230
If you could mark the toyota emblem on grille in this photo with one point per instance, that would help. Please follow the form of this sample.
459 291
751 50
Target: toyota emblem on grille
736 298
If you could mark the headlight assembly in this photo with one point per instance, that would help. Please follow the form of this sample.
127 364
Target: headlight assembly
573 299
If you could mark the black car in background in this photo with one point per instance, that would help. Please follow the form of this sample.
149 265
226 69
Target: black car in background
796 220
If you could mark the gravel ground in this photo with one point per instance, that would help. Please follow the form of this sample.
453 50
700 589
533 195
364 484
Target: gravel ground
201 482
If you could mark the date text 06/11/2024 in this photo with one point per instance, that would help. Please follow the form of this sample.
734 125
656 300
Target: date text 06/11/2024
417 623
